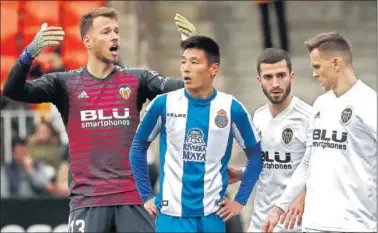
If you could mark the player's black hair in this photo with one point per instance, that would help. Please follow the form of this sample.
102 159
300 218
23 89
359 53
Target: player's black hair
208 45
18 141
271 56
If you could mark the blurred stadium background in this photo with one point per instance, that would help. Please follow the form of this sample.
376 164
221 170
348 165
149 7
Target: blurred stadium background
150 39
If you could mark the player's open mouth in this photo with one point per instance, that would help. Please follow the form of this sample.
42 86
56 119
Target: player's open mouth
114 50
187 79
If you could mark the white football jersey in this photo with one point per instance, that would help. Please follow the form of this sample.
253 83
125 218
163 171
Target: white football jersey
283 146
341 169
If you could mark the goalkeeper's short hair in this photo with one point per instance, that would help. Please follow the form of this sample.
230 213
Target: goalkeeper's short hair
208 45
88 18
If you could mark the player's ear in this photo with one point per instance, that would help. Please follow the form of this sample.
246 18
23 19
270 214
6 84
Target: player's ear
87 42
292 76
215 69
258 78
336 63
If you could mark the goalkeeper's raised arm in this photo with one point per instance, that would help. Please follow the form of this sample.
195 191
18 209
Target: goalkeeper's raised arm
52 87
41 90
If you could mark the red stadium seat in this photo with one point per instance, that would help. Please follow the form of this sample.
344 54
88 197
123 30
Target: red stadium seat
74 10
36 13
73 51
6 64
9 27
74 57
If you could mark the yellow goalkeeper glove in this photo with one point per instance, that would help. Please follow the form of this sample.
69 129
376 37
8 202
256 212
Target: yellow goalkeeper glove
185 27
47 36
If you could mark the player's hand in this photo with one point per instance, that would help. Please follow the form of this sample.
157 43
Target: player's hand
234 174
185 27
229 209
272 219
295 213
151 207
47 36
62 190
50 187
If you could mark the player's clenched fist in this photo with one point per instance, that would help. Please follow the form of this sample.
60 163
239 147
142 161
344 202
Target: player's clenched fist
151 207
47 36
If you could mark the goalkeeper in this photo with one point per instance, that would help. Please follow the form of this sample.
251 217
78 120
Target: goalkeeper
103 194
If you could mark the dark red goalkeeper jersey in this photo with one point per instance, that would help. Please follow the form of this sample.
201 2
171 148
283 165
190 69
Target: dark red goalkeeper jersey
101 118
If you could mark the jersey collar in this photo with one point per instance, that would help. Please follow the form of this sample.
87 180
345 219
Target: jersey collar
99 79
286 111
200 101
348 93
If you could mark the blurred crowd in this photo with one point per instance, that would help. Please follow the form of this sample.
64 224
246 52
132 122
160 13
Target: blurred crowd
40 164
37 168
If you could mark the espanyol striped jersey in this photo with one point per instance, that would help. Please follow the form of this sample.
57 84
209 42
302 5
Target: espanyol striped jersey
196 138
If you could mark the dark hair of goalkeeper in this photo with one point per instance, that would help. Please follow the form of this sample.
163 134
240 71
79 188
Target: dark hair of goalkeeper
208 45
87 19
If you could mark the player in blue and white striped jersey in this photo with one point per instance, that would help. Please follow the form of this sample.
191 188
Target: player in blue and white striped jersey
197 126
